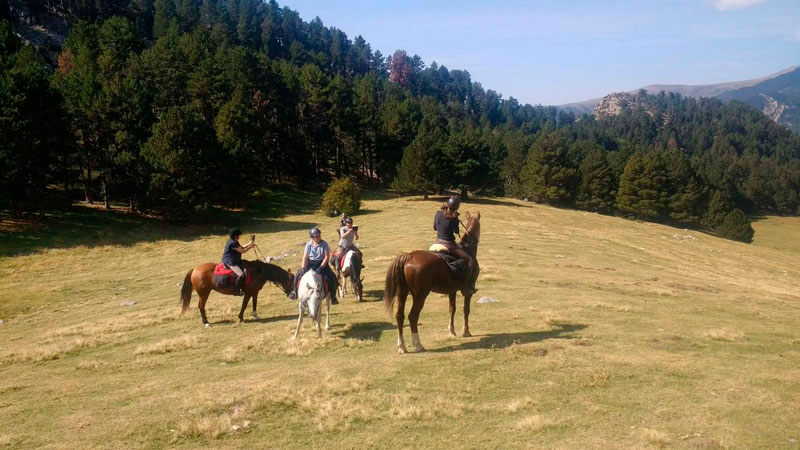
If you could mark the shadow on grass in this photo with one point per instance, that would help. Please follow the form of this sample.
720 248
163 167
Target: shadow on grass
466 204
367 330
504 340
372 295
270 319
88 226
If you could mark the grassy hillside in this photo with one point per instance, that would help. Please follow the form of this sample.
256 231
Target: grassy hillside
607 334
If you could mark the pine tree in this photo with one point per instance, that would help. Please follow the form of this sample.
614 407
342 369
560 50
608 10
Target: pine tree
642 187
596 192
719 205
165 17
736 226
546 177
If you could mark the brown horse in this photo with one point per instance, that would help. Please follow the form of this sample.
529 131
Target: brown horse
420 273
201 278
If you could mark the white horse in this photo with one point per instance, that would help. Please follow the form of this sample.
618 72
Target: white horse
351 269
311 293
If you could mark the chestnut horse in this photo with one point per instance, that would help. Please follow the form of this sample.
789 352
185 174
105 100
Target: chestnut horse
201 278
422 272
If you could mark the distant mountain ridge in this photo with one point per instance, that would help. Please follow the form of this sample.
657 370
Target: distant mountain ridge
777 95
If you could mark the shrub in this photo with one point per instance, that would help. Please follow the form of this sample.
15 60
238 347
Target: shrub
342 196
736 226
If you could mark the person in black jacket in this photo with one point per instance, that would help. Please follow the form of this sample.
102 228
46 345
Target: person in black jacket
232 257
445 223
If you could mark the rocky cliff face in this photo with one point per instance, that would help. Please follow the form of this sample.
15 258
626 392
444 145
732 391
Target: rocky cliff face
39 27
613 104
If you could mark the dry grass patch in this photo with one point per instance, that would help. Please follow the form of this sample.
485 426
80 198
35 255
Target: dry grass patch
49 352
333 404
657 438
111 326
212 424
534 423
93 364
724 334
8 440
169 345
519 404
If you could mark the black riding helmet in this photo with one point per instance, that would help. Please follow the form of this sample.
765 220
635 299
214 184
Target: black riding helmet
454 202
348 220
314 232
235 232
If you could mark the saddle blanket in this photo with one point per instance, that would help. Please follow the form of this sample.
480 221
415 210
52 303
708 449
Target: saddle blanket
224 277
458 267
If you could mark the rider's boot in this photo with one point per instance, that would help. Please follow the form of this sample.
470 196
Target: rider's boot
237 285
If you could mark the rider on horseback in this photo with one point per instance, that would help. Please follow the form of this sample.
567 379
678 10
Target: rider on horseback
347 233
315 257
445 223
232 257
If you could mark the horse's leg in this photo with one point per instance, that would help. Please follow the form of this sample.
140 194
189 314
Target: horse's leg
327 312
202 305
413 318
467 299
452 328
299 321
244 306
255 307
400 316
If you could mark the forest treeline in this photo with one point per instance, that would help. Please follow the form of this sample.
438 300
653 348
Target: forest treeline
180 105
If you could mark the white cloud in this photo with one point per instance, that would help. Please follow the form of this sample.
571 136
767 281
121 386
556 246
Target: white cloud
724 5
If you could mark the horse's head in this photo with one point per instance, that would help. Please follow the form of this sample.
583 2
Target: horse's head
311 292
473 233
275 274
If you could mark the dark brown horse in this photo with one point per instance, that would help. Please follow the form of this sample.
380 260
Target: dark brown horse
351 271
201 278
420 273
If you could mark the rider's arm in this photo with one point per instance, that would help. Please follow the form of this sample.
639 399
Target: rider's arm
244 249
326 258
356 235
347 233
305 261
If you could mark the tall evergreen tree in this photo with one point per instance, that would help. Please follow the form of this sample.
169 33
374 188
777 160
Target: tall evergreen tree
546 177
597 188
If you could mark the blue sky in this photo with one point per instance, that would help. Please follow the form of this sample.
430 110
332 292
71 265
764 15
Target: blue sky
554 52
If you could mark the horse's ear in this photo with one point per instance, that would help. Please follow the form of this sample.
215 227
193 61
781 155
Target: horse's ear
289 269
478 215
468 217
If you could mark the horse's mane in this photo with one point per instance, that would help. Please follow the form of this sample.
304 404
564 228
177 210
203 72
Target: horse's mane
272 273
472 235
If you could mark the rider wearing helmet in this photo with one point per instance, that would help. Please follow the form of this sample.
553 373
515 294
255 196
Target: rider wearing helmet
445 223
232 257
315 257
347 234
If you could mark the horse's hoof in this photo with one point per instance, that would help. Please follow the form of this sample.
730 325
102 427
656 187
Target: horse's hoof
466 334
255 316
402 350
208 325
419 349
452 334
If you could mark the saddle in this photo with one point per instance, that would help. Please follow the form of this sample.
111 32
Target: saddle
224 277
457 266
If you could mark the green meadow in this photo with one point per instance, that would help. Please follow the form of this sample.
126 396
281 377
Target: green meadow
606 334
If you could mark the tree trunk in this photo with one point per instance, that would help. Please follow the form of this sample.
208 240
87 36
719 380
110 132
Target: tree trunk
105 192
463 193
87 183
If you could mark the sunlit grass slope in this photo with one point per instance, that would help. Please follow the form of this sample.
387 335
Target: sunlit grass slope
607 333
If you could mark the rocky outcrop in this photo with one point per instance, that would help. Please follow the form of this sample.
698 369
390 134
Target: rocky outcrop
613 104
40 28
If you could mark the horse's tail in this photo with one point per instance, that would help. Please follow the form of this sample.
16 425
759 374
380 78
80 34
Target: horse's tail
395 280
186 291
